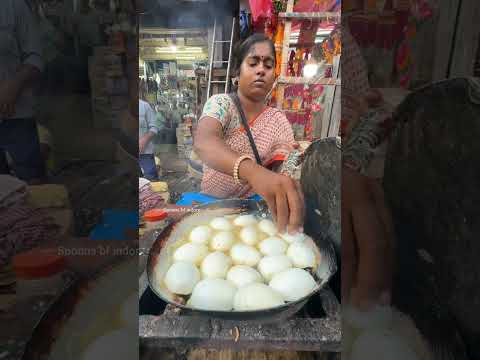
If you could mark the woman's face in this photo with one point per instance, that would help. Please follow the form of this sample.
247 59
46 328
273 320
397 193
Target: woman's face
257 72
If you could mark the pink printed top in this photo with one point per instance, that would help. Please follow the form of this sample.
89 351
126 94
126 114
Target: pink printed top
271 131
354 78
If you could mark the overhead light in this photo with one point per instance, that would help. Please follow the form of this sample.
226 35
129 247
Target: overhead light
180 57
310 69
183 50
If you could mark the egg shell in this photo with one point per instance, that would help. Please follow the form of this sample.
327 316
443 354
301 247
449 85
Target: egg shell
385 345
216 265
221 223
256 296
302 255
213 294
190 252
245 220
249 235
182 277
242 254
293 284
200 234
242 275
268 227
293 238
273 246
271 265
222 241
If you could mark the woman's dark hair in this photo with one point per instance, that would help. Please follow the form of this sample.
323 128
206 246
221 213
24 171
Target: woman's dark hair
242 49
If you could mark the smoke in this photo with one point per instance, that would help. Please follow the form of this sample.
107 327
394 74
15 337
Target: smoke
186 14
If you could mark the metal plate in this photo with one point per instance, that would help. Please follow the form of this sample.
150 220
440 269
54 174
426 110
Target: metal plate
159 261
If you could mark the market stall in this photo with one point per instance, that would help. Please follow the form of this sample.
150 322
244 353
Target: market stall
171 61
309 68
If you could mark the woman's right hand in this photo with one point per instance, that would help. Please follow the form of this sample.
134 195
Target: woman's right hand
283 195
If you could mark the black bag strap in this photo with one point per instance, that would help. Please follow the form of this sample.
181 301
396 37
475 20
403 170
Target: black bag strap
243 118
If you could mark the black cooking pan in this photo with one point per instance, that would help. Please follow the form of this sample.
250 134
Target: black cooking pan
78 307
159 261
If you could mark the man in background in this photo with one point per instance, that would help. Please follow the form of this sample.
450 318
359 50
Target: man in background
20 66
148 128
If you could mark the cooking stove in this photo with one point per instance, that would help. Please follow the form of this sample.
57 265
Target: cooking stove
316 327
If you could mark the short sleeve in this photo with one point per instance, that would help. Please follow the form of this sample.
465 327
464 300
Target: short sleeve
151 119
218 107
28 36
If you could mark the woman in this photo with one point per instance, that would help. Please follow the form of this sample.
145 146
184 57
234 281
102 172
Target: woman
367 228
221 142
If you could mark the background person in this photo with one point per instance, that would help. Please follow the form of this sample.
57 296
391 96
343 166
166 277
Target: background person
20 66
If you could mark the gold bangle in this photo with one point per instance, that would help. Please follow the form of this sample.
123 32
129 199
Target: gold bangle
236 167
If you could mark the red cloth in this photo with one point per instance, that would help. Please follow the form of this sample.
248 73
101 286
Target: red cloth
149 199
261 8
22 228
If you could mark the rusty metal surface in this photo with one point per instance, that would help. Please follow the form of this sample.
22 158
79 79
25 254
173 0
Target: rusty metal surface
298 334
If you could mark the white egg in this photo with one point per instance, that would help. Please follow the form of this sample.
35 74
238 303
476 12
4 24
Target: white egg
273 246
201 234
113 345
245 220
129 312
216 265
220 223
383 345
242 275
268 227
256 296
222 241
182 277
378 317
292 238
271 265
302 255
245 255
293 283
190 252
213 294
249 235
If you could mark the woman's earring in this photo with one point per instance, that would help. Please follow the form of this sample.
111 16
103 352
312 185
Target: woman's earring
235 81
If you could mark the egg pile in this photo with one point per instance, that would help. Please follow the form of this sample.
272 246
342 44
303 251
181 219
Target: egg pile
240 263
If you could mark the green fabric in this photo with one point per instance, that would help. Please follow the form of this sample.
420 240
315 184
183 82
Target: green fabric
160 120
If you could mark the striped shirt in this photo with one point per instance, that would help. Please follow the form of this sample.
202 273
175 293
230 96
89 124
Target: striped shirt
19 45
147 123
